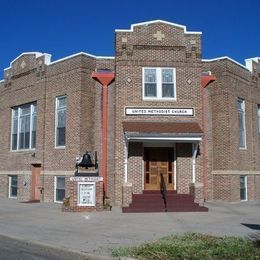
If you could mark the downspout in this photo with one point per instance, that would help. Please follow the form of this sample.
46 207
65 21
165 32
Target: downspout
44 132
105 78
205 81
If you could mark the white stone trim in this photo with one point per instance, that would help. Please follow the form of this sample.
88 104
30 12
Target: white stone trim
226 58
223 172
194 155
126 161
15 172
136 138
47 57
157 21
46 173
58 173
249 62
81 53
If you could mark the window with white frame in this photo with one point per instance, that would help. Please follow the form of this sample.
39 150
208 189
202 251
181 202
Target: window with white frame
59 188
24 127
60 121
13 186
159 83
258 118
241 122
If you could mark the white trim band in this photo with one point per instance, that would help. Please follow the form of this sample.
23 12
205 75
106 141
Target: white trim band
82 53
157 21
138 138
47 57
236 172
226 58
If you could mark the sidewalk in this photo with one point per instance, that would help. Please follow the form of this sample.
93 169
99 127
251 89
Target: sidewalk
99 232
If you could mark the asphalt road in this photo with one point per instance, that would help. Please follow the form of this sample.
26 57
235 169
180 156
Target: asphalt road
12 249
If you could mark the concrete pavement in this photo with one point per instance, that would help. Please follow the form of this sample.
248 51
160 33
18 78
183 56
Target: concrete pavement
99 232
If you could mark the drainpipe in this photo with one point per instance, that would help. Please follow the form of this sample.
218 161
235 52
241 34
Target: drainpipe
205 81
105 78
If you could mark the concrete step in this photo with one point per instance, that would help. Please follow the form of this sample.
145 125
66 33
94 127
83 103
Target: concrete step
142 210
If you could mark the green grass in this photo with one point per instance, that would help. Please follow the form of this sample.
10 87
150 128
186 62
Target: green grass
193 246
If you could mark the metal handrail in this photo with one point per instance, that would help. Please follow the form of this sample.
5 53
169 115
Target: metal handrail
164 191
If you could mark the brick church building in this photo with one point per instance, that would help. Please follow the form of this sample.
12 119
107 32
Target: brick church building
160 118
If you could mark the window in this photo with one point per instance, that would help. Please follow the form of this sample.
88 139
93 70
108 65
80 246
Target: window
258 118
159 83
60 121
241 122
24 127
59 188
13 186
243 188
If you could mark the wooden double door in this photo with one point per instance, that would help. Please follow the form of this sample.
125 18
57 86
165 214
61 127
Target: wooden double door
158 163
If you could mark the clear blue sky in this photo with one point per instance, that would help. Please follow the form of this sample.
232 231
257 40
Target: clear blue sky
64 27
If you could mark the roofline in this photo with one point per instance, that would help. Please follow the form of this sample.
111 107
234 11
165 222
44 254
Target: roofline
39 54
36 53
156 21
81 53
226 58
254 59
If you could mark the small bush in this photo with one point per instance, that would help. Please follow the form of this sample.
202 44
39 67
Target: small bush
193 246
66 202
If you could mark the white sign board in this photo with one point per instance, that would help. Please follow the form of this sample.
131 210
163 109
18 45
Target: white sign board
95 179
86 194
153 111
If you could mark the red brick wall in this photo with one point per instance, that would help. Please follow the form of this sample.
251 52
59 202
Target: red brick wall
71 77
227 187
73 194
184 167
135 167
142 49
257 187
222 135
3 186
41 83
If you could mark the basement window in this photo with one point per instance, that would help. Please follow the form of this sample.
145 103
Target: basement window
59 188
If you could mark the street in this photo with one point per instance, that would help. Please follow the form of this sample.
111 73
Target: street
13 249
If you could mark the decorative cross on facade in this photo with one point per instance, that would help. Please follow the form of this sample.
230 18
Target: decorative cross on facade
159 35
23 64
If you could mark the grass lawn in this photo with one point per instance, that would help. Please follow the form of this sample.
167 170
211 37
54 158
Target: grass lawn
193 246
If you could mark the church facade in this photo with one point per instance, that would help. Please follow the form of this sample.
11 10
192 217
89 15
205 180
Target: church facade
174 122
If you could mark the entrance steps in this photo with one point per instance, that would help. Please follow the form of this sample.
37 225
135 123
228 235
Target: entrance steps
152 201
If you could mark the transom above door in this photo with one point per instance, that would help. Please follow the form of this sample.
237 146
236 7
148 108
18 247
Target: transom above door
158 164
